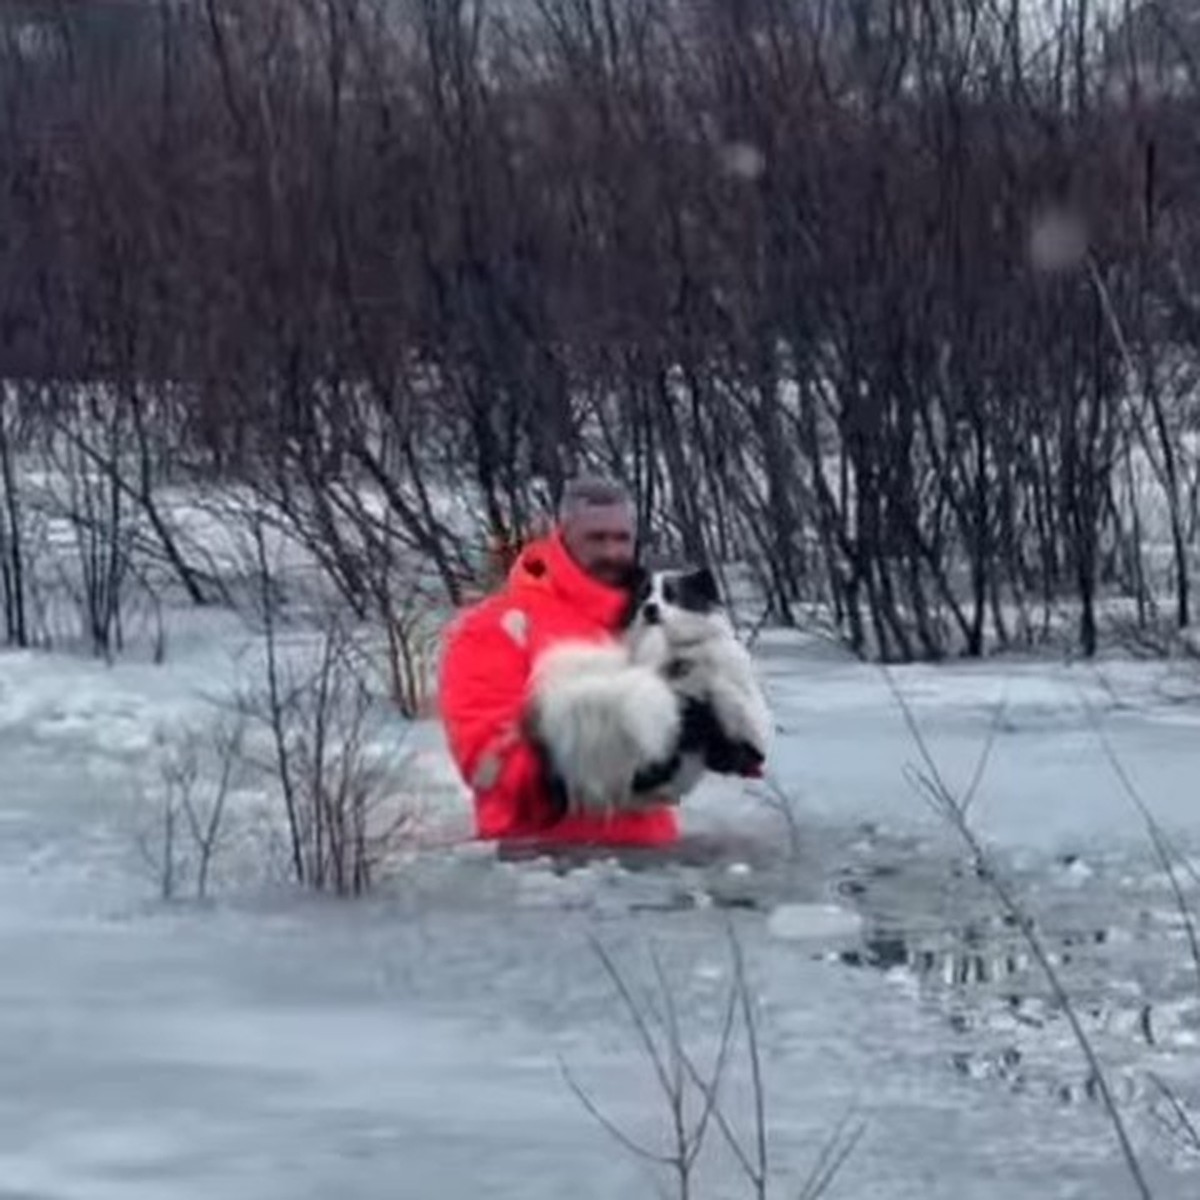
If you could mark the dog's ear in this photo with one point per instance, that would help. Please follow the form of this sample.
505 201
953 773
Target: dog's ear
699 591
637 585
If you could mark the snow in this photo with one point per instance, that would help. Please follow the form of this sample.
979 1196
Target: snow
418 1042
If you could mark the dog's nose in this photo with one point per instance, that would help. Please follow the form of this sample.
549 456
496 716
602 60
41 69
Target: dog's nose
650 613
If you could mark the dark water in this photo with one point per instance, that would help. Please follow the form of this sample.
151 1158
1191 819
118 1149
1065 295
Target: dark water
1107 927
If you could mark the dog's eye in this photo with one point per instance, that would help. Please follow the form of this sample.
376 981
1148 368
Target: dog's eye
670 591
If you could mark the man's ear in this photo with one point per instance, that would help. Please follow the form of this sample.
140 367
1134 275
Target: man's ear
701 589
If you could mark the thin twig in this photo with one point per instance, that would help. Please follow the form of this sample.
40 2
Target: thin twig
942 801
1162 846
1184 1128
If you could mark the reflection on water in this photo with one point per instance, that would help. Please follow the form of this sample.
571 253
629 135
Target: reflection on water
1108 929
1118 953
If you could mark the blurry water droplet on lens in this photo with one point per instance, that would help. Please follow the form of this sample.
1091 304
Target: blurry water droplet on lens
1057 240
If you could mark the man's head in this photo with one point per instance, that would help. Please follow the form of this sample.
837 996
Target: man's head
598 526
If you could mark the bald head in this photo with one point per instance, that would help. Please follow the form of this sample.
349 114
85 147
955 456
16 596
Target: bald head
597 520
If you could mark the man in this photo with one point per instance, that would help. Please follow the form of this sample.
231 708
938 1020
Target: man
571 584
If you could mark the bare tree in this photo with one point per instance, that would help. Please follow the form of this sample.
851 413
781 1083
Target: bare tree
400 269
197 772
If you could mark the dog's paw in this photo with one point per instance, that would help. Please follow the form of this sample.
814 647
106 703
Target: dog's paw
734 758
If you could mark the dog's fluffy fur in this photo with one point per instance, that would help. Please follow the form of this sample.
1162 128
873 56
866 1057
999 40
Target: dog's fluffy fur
623 724
597 720
678 628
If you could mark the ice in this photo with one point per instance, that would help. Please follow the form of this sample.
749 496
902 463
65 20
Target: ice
419 1043
813 922
845 745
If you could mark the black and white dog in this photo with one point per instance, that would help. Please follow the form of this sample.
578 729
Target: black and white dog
678 626
639 721
596 720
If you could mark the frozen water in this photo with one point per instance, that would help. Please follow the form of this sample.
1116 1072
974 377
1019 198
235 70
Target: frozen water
418 1044
1047 782
813 922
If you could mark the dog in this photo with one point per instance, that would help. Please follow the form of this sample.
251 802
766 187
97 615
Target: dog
677 626
640 720
601 724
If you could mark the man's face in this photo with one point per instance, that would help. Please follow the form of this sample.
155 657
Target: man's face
601 541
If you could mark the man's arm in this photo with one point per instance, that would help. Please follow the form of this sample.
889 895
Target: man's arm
484 675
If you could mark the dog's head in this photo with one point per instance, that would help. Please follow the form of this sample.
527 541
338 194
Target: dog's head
672 608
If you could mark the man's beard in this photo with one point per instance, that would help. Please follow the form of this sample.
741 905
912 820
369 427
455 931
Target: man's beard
616 574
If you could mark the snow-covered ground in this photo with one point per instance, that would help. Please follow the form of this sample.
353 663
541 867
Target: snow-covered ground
265 1044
